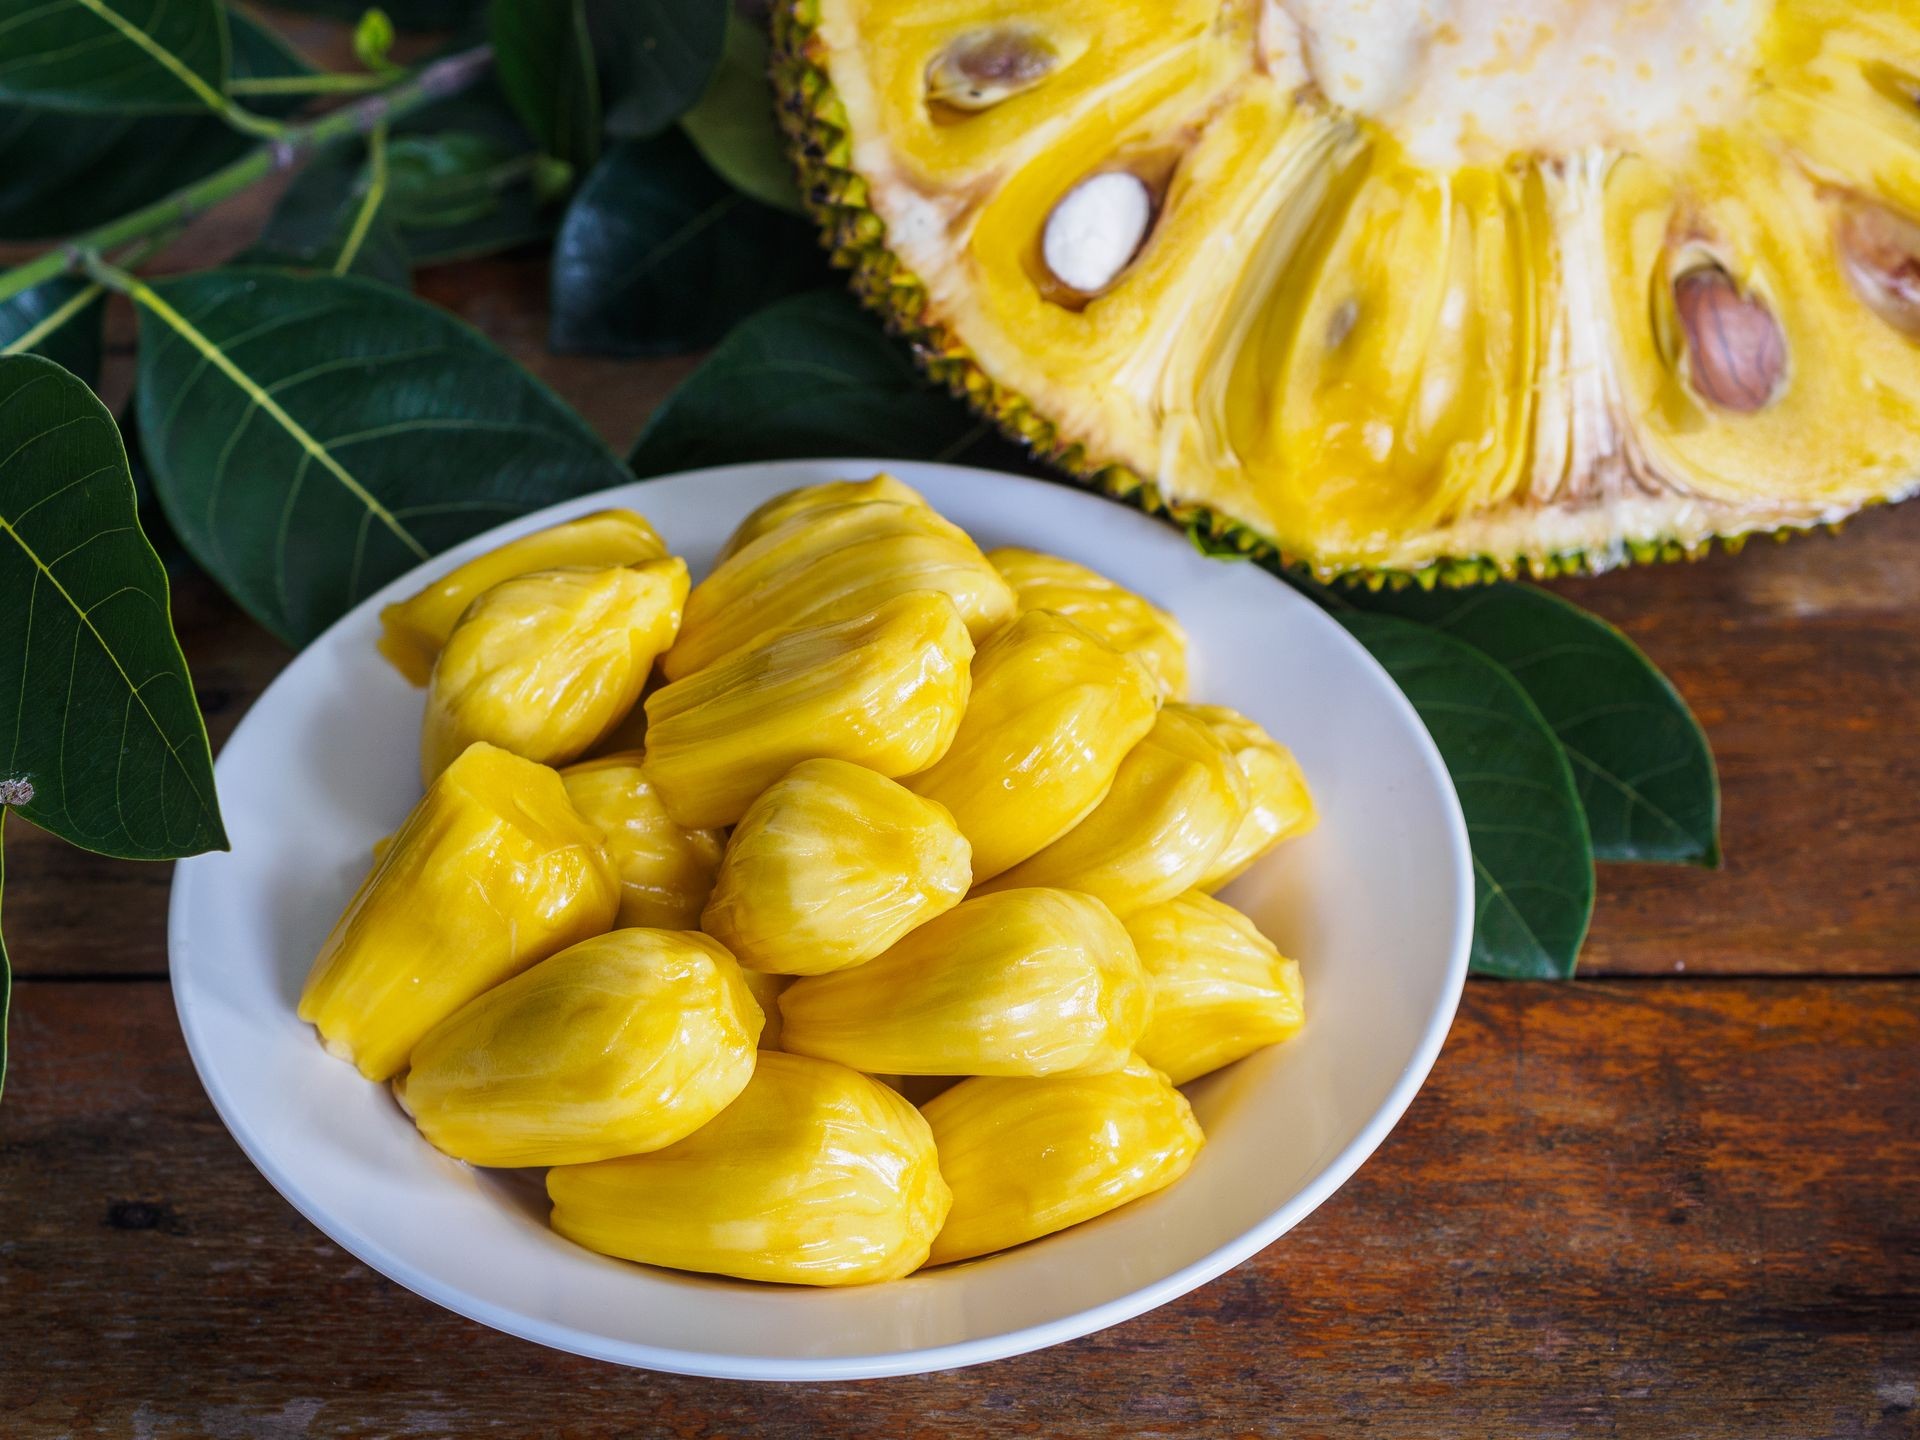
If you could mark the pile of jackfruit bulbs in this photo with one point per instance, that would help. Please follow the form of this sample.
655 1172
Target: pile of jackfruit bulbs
897 821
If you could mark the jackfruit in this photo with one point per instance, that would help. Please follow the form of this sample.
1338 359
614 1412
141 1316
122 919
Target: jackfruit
1176 802
622 1044
666 872
413 631
831 865
1447 290
775 512
1029 982
1279 805
834 562
1027 1157
1220 988
1052 713
547 663
1111 612
766 994
816 1175
492 872
885 690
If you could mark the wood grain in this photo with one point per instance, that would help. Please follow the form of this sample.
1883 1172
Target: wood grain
1651 1209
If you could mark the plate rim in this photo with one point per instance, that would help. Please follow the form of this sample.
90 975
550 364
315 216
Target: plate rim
883 1363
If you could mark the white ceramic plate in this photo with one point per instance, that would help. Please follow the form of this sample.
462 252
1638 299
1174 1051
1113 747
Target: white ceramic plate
1377 904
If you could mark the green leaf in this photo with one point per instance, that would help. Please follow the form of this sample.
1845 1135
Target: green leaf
117 56
1641 762
373 40
101 740
812 375
311 437
733 124
1532 864
128 161
658 255
656 58
544 58
60 319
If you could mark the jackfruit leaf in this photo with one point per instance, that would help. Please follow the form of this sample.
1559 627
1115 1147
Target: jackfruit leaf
1532 863
658 255
59 319
1640 760
656 58
544 58
101 736
313 436
813 375
128 160
116 56
732 123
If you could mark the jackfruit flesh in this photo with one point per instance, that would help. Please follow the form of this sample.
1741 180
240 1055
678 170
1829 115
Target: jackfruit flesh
1279 805
666 871
815 1175
1450 287
885 689
1027 1157
619 1045
782 507
1124 620
412 631
1051 714
1220 988
546 664
831 865
830 562
492 872
1176 803
1029 982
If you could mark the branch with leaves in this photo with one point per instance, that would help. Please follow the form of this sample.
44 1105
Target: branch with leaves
310 429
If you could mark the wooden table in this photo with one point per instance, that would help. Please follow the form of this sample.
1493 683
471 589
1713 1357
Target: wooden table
1677 1197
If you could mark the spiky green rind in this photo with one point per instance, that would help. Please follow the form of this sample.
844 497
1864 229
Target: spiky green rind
814 122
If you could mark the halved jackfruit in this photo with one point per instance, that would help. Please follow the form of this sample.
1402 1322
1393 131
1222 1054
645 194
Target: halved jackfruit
816 1175
1444 289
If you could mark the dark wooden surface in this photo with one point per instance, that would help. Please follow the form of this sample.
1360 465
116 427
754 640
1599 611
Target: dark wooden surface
1679 1197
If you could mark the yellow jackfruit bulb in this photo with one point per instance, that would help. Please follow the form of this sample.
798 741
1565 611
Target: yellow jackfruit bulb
1052 713
1175 802
665 870
1124 620
492 872
885 690
413 631
830 866
832 563
1029 982
622 1044
766 994
1220 988
1279 805
816 1175
1027 1157
546 664
776 511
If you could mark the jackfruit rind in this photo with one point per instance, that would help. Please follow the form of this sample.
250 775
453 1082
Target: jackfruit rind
619 1045
816 1175
492 872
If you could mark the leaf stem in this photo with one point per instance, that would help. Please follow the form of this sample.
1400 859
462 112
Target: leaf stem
370 203
435 82
333 83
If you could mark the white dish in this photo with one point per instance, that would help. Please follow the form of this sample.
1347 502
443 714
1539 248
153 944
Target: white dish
1377 904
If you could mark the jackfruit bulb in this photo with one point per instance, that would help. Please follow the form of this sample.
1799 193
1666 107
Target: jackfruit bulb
885 689
815 1175
1029 982
665 870
619 1045
1115 614
547 663
1051 714
1279 805
1449 289
492 872
831 865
